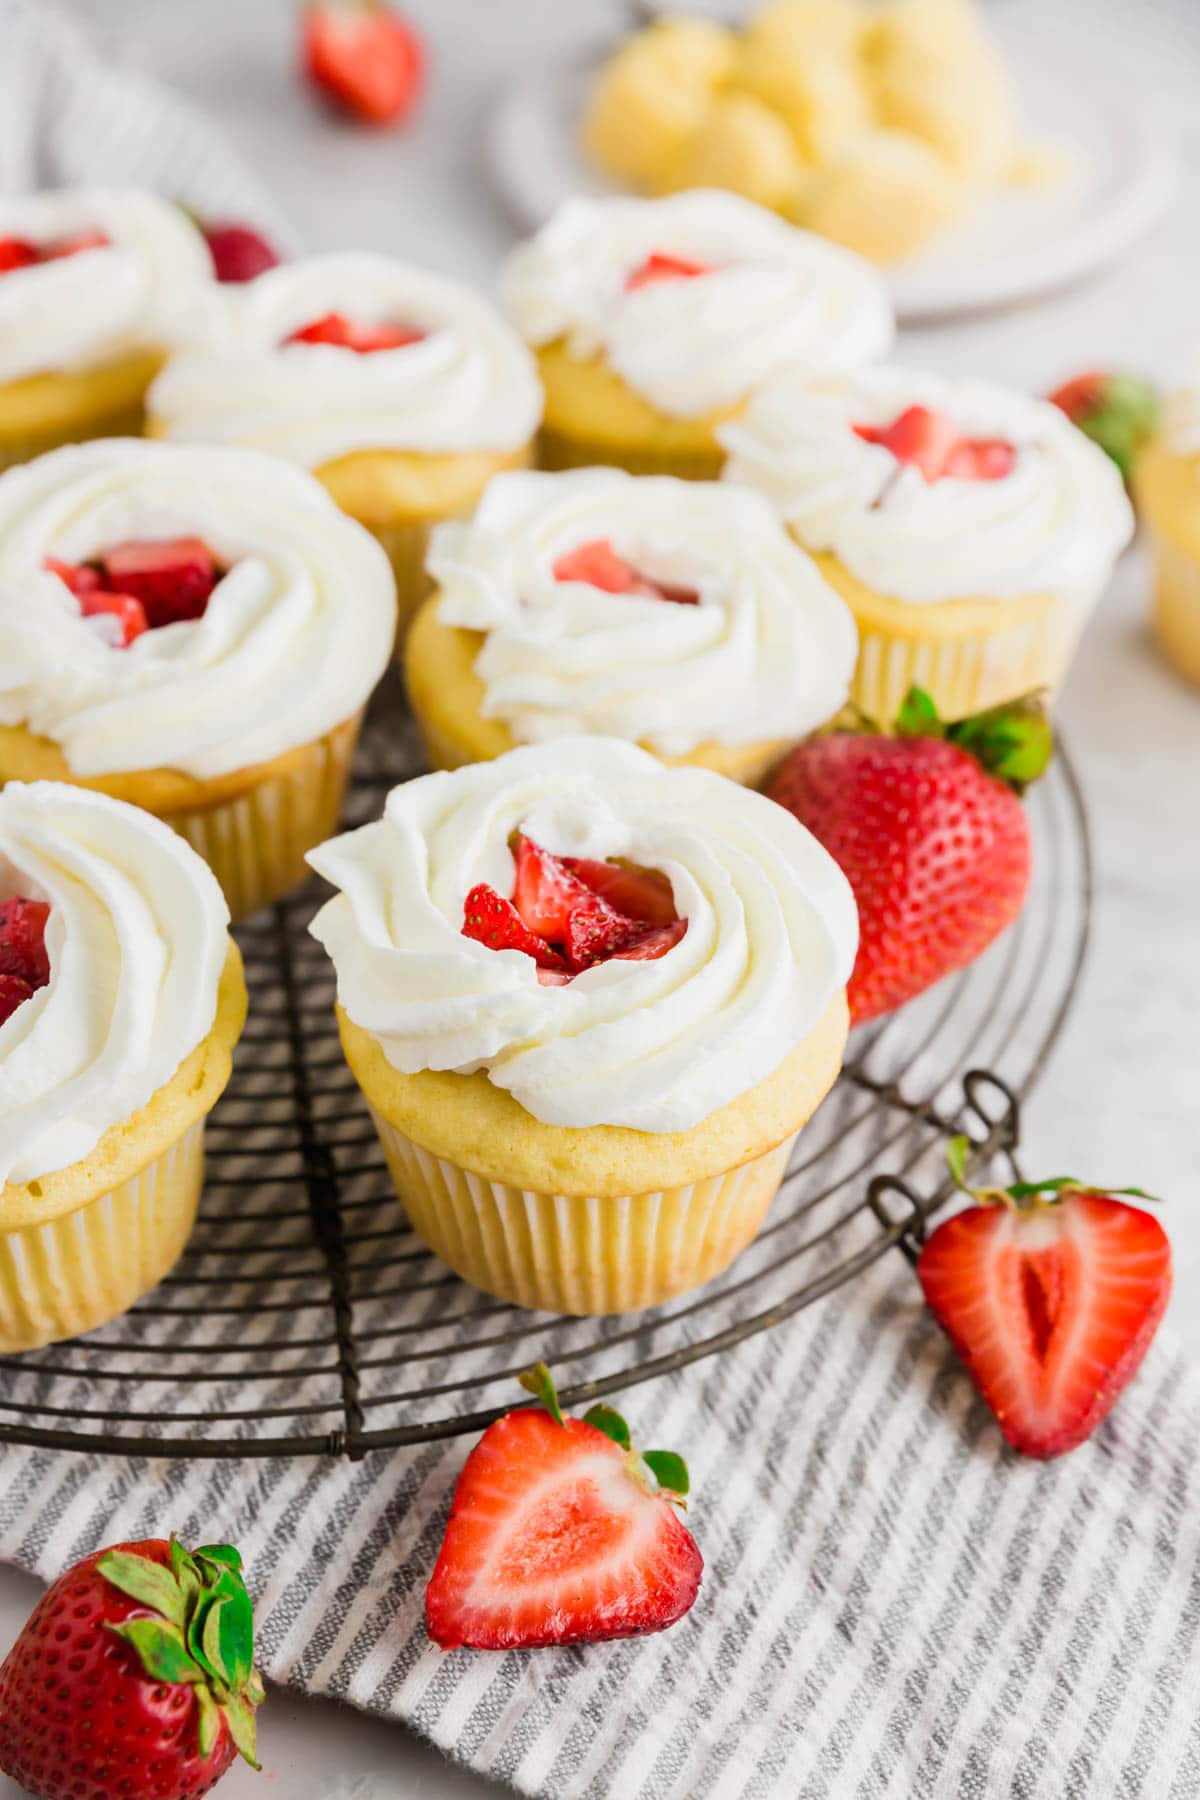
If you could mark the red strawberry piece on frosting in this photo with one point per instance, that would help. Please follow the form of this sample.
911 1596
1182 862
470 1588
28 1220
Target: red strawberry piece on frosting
554 903
350 334
559 1533
17 253
660 267
23 950
492 920
173 578
364 58
126 609
648 946
71 246
13 993
81 578
599 565
638 893
239 253
930 442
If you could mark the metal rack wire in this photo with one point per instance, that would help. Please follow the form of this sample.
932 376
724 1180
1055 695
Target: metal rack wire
305 1317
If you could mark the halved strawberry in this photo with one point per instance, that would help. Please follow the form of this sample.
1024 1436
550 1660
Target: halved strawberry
545 891
643 894
349 334
559 1533
71 246
17 253
492 920
173 578
660 267
598 564
81 578
127 609
23 940
648 946
239 253
364 57
13 993
932 443
1050 1292
595 932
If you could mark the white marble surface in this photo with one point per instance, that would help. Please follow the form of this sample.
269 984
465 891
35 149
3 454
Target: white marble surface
1119 1101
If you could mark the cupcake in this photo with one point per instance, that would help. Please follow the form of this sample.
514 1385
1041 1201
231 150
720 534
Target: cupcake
195 630
655 319
121 998
1167 483
95 285
587 1093
402 391
674 614
970 529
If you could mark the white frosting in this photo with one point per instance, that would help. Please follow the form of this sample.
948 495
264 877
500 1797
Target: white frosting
137 292
293 640
768 652
656 1045
1054 525
777 298
137 941
470 384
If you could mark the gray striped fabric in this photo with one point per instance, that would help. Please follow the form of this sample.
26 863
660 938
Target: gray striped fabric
893 1605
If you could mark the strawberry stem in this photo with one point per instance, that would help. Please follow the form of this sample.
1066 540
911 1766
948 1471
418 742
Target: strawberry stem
539 1382
960 1150
1014 742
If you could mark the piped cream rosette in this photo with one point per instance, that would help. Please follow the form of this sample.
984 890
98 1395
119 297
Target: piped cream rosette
758 653
108 1072
603 1144
237 728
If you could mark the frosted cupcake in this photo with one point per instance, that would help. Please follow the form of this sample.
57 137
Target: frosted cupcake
587 1093
970 529
654 320
678 615
1167 483
121 998
402 391
196 631
95 285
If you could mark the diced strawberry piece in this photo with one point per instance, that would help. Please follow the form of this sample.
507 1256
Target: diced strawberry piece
365 58
981 459
641 894
23 950
598 564
127 609
348 334
71 246
553 1539
173 578
1051 1307
13 993
1081 395
492 920
546 892
17 253
81 578
658 267
595 932
648 946
239 253
919 436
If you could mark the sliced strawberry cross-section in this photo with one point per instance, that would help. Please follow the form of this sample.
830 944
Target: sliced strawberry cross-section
933 444
24 960
660 267
144 584
351 334
599 565
563 912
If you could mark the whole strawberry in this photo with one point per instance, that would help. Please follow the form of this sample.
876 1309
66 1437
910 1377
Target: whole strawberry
928 828
239 252
1050 1292
1118 412
561 1533
364 58
134 1676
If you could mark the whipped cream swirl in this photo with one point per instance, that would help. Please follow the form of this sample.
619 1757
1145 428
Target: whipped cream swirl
294 638
1054 525
140 291
137 941
767 653
468 384
776 298
659 1045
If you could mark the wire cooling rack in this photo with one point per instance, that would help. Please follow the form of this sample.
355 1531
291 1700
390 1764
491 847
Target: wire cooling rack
305 1317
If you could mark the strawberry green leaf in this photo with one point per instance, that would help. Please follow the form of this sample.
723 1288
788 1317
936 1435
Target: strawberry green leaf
1013 742
239 1716
185 1571
610 1422
160 1649
918 716
1058 1184
205 1603
957 1152
255 1692
538 1381
235 1641
669 1470
211 1639
145 1581
225 1554
208 1722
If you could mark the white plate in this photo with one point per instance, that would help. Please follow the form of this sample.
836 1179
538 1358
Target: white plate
1017 245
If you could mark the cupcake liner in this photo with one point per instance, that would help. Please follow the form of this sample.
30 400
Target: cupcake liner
969 672
256 844
1177 605
558 452
80 1270
566 1254
127 422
